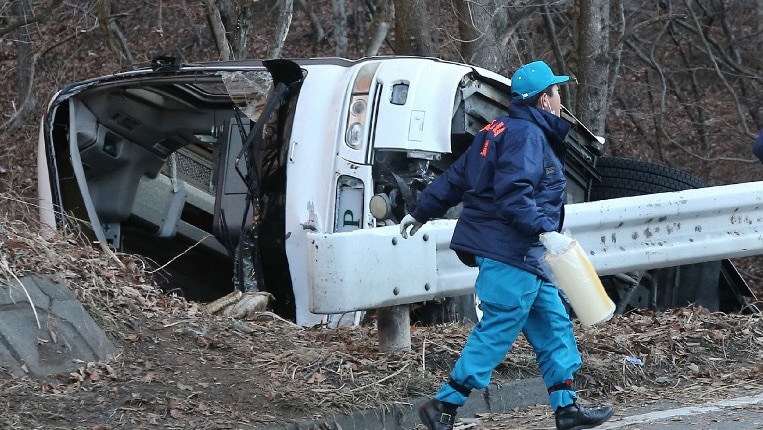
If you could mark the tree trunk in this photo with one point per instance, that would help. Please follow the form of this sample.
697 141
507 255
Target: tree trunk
236 17
241 36
593 72
379 26
412 29
25 61
314 21
517 39
559 65
481 25
757 114
340 28
218 30
115 40
287 11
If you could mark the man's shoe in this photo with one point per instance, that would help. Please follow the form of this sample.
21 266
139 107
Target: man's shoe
437 416
574 417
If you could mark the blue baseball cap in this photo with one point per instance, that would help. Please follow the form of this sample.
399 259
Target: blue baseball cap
533 78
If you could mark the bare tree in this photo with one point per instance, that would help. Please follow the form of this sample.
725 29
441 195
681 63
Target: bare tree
12 21
597 61
314 21
481 25
21 10
113 35
692 83
685 89
218 30
412 28
20 16
383 13
236 17
340 27
231 22
282 29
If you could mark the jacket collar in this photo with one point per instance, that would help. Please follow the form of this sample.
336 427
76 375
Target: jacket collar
553 127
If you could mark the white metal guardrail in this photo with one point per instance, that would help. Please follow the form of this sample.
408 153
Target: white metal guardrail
366 269
670 229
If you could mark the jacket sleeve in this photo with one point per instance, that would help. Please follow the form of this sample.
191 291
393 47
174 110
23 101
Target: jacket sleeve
518 172
444 192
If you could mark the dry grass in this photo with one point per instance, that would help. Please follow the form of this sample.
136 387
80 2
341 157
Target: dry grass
180 366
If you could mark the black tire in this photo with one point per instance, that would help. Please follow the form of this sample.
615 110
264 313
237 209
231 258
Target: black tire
621 177
662 288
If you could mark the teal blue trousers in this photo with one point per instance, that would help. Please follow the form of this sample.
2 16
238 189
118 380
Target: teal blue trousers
514 300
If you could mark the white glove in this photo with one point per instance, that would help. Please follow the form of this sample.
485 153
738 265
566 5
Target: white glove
408 221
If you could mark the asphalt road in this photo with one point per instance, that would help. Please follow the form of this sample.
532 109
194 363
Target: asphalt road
520 405
740 413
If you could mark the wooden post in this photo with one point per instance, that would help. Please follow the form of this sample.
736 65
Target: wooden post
394 324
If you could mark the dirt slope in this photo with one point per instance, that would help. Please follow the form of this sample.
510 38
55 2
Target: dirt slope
179 367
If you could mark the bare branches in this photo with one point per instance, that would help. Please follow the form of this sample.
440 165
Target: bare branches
115 40
481 24
555 45
218 30
716 68
617 25
315 22
17 21
383 16
340 27
702 81
25 64
688 73
630 31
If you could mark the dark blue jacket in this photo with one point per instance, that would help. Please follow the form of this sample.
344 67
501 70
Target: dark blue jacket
511 182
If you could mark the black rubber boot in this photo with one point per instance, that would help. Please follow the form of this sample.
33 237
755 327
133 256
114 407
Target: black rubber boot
436 415
574 417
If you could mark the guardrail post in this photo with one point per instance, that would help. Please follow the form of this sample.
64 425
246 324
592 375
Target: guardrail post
394 324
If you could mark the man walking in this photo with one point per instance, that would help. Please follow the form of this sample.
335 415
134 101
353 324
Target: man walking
512 185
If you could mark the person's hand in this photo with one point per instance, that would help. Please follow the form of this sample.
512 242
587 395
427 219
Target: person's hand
408 221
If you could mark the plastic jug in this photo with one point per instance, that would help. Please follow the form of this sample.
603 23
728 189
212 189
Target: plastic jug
575 275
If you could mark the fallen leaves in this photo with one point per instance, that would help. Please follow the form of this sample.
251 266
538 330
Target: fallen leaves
677 347
180 364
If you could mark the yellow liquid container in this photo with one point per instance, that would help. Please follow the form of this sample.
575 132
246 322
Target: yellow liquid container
575 275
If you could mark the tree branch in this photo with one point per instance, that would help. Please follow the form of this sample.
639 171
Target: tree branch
218 30
287 12
26 20
384 15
